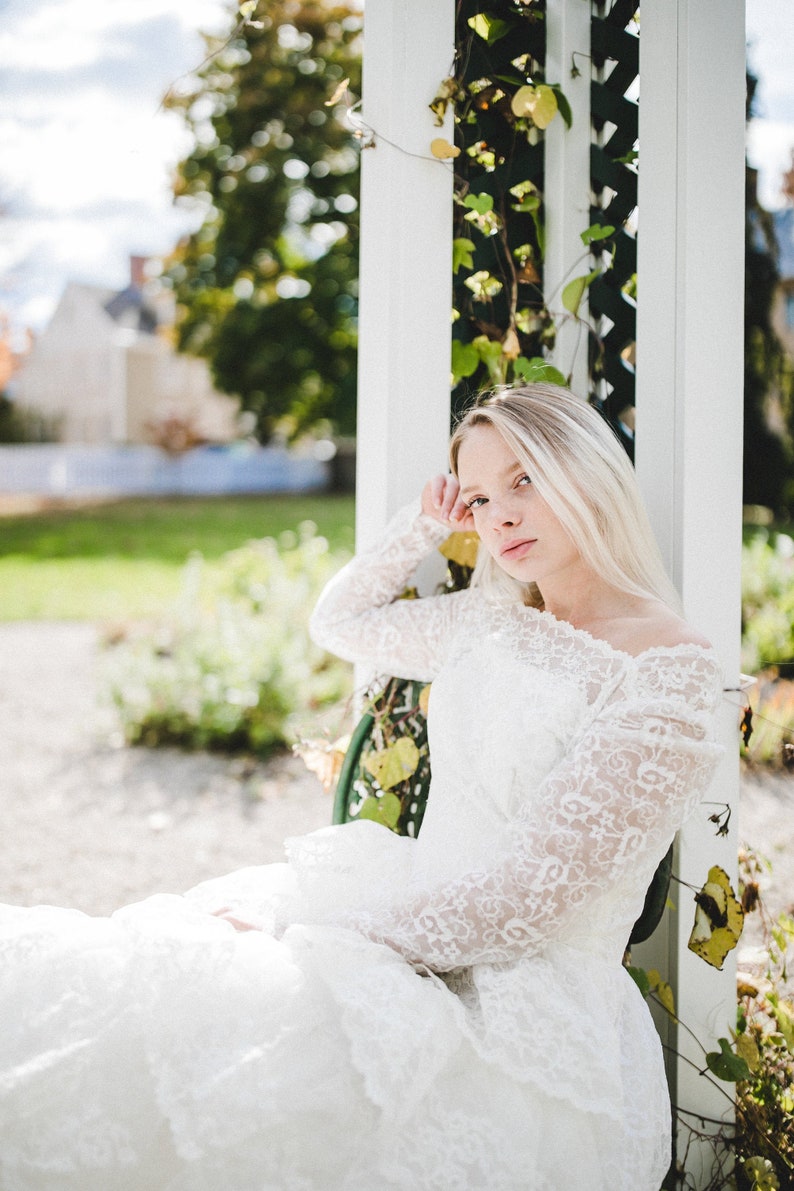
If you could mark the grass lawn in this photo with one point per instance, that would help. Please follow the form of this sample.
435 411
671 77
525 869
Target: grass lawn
124 559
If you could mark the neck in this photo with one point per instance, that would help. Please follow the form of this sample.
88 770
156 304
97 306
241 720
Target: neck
586 600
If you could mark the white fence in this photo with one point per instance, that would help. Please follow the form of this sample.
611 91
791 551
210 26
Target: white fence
69 470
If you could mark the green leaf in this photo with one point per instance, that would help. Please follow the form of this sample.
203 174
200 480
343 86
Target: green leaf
481 203
394 764
538 370
627 158
640 978
597 231
515 80
575 290
785 1020
465 360
488 27
462 250
563 105
530 203
726 1065
385 810
490 352
390 807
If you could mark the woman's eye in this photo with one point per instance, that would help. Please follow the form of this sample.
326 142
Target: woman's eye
523 480
476 503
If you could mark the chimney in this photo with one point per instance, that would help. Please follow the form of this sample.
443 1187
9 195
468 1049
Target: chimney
138 271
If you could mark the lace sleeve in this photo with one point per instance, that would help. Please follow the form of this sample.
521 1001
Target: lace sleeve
359 617
620 795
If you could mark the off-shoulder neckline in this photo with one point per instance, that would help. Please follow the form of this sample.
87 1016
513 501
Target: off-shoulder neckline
690 647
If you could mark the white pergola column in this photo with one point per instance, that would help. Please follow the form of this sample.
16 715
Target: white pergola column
567 184
406 260
689 437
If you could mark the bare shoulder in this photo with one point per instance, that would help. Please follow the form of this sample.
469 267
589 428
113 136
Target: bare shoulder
654 625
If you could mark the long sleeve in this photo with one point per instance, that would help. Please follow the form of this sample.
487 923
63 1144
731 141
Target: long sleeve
614 801
360 618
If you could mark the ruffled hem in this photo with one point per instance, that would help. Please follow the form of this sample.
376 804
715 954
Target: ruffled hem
163 1049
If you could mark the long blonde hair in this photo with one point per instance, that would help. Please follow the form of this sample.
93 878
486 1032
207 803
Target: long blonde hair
579 467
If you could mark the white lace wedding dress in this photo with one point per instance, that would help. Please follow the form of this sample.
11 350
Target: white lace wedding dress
441 1014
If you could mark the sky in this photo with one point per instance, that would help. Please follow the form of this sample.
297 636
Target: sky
86 152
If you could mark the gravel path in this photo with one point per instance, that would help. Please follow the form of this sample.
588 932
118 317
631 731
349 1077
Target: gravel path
91 824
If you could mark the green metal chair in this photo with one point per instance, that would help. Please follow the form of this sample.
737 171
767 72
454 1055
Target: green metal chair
400 702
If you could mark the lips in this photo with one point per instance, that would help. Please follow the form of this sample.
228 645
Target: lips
517 548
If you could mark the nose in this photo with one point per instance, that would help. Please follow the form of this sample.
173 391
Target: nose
502 514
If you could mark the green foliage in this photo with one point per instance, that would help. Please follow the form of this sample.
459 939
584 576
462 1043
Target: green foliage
764 1141
235 663
768 371
122 560
767 600
501 102
267 287
22 425
757 1061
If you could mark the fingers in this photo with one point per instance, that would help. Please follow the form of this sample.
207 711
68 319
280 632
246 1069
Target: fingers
441 499
238 923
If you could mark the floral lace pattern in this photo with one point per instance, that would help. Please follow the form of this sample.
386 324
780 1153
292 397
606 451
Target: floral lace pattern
447 1013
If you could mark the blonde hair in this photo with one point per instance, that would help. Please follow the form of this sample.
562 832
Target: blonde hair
579 467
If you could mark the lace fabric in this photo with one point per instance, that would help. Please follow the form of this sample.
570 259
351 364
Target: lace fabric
412 1014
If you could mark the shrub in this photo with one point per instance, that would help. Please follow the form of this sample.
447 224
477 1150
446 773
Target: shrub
767 601
234 667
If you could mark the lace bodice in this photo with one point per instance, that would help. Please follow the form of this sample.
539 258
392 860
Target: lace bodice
523 1057
562 767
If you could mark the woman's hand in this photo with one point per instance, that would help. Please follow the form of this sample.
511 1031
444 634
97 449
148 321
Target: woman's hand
238 923
441 500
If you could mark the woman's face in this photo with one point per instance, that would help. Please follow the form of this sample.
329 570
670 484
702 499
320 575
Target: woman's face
515 525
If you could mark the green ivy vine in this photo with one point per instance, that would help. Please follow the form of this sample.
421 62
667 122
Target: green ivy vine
502 103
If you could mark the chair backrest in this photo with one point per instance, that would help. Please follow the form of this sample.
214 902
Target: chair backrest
356 785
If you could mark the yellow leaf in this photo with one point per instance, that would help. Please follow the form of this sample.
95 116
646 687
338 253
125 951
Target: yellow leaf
338 93
324 760
539 104
461 548
394 764
442 149
663 992
718 919
746 1048
424 698
511 348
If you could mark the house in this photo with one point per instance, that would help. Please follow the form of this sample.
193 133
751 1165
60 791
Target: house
105 371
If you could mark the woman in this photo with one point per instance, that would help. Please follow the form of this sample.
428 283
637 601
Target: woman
447 1012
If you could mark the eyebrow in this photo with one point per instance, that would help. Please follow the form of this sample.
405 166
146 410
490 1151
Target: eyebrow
511 471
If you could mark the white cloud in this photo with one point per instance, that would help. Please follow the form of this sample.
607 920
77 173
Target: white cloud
86 151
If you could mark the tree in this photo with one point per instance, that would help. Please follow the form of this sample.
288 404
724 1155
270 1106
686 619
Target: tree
266 288
767 370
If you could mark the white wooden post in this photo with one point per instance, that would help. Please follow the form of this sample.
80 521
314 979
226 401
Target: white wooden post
406 260
567 183
689 437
